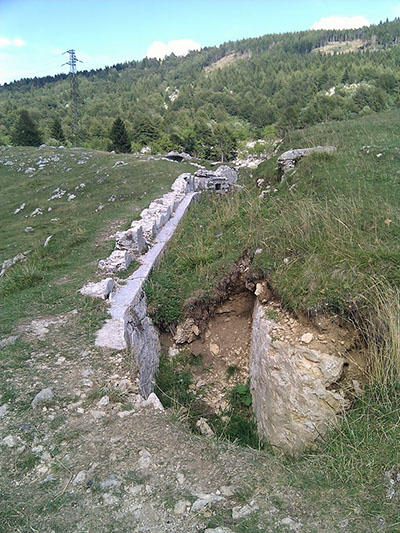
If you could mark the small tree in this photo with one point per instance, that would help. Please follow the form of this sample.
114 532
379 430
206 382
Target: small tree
25 131
119 137
57 131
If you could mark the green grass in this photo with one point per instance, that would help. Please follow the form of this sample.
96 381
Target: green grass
323 240
47 281
330 241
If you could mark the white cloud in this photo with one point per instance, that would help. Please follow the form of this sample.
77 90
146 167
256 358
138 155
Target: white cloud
179 47
340 23
17 41
4 41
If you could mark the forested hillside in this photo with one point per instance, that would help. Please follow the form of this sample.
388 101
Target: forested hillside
203 105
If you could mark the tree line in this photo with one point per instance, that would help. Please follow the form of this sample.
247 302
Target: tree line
275 81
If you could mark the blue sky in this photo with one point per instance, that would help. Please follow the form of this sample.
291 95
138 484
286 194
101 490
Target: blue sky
34 33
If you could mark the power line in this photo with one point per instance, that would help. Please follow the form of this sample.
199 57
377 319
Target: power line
75 111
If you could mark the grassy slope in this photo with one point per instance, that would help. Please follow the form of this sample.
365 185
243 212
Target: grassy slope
326 246
324 242
48 280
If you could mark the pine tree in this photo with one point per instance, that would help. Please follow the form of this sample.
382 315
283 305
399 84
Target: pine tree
57 131
25 131
119 137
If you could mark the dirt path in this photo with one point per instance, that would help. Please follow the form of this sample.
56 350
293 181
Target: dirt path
92 459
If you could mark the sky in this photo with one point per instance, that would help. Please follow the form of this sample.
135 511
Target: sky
35 33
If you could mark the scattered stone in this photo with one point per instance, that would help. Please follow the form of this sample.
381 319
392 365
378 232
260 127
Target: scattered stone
25 426
227 491
7 341
144 459
36 212
98 414
43 397
28 229
186 332
180 478
205 501
70 197
214 349
173 352
20 208
152 401
181 507
105 400
101 289
119 164
307 338
241 512
10 441
263 293
86 372
124 414
204 428
87 382
110 499
46 242
111 482
135 490
290 523
218 530
3 410
48 479
10 262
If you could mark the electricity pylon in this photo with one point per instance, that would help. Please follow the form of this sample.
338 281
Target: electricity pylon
75 111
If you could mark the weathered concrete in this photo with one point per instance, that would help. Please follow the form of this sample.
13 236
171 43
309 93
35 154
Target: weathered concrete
101 289
129 326
290 388
289 159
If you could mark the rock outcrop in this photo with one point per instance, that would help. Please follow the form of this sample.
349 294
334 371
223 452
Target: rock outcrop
293 400
289 159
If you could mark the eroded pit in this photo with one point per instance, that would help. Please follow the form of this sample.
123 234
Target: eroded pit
215 353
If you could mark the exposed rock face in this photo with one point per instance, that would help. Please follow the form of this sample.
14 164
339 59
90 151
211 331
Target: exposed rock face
290 388
142 338
289 159
102 289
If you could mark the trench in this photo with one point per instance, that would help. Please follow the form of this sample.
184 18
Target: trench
220 361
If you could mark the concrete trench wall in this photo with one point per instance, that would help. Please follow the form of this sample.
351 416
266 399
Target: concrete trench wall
129 327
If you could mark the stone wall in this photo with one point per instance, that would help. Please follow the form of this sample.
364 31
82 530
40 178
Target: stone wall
291 387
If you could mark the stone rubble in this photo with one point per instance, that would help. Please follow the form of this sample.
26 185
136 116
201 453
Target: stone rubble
290 158
10 262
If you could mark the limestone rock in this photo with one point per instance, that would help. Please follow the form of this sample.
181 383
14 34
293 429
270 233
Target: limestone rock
43 397
118 260
218 530
262 292
10 262
131 239
204 428
152 401
102 289
289 386
289 159
187 331
181 507
206 500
